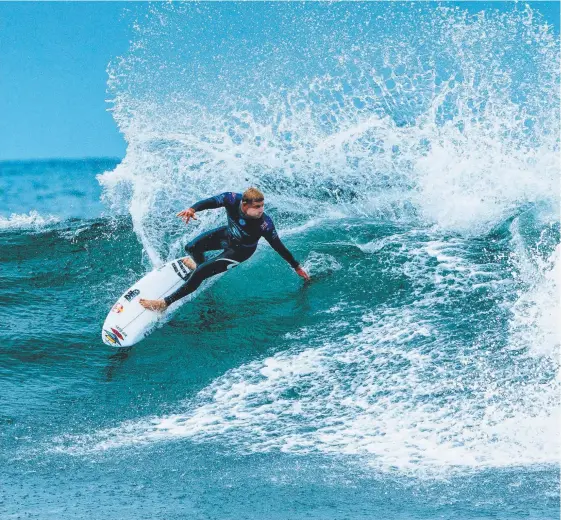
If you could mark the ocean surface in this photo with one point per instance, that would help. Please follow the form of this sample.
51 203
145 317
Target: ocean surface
410 158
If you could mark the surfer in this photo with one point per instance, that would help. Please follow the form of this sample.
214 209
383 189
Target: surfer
247 223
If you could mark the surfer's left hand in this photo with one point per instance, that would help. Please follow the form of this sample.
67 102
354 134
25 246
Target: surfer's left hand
300 271
187 214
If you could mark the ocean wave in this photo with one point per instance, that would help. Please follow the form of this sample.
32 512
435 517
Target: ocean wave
420 384
437 349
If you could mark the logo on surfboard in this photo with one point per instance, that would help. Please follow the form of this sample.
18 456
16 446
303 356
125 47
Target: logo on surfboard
182 271
131 294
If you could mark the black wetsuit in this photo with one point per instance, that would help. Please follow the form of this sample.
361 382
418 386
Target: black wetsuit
238 240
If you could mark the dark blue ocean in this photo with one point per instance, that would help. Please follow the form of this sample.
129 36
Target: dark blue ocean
410 158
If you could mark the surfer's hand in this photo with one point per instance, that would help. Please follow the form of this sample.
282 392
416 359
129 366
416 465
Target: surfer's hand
300 271
187 215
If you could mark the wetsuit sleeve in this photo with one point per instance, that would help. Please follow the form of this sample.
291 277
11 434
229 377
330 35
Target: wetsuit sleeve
271 236
218 201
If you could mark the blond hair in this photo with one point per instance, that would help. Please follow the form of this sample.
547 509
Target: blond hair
252 195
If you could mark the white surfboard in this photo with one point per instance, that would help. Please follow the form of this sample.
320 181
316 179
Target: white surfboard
128 322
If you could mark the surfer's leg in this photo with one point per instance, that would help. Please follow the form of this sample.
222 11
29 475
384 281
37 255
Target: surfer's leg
209 241
223 262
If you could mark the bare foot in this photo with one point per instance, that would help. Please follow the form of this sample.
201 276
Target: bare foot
189 262
153 305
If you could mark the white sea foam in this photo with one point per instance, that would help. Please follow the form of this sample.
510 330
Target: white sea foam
364 395
317 263
448 132
535 324
31 220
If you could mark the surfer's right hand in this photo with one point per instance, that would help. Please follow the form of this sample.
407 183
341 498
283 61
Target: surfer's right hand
301 272
187 215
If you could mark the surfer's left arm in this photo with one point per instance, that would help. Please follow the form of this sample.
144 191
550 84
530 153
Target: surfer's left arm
270 235
217 201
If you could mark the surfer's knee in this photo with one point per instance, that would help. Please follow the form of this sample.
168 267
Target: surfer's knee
197 256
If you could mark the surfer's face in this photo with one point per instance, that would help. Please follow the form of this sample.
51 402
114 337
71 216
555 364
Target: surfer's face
254 210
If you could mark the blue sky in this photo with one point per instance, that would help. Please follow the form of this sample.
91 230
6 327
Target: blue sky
53 59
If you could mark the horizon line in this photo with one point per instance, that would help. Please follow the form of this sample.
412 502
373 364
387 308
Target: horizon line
64 159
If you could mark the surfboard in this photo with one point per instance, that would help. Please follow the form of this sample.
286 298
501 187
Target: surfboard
128 322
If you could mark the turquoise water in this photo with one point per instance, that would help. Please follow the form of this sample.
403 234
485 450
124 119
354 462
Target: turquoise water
417 376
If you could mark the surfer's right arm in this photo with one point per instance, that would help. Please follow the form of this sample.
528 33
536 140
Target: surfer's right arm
218 201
